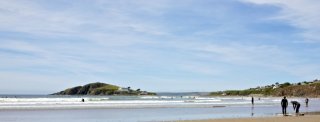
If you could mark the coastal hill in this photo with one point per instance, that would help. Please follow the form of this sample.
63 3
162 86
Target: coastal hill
301 89
101 89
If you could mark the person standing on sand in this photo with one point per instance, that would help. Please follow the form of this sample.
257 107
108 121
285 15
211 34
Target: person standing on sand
296 106
252 100
307 101
284 105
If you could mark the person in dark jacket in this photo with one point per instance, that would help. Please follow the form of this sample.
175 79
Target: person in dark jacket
307 101
252 100
284 105
296 106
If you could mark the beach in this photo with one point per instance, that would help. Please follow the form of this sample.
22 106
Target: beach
308 118
48 108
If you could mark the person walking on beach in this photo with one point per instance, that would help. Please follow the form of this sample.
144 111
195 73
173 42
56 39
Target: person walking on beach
296 106
284 105
307 101
252 100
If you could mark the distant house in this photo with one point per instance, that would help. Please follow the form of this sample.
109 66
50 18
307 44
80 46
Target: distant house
276 86
124 89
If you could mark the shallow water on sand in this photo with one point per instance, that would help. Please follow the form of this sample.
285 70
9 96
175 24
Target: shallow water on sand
142 108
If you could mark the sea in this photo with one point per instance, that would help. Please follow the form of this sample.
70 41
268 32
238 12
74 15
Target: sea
55 108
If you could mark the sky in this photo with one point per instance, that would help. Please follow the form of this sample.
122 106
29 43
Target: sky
157 45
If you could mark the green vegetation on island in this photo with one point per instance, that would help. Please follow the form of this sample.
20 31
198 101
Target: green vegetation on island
102 89
301 89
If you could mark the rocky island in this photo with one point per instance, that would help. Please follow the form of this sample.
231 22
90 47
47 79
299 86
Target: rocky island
102 89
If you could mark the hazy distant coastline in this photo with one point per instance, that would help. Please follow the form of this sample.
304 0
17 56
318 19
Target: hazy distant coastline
300 89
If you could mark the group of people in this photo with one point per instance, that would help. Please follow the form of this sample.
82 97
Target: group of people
284 105
295 104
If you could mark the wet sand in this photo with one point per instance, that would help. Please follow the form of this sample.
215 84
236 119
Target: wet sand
307 118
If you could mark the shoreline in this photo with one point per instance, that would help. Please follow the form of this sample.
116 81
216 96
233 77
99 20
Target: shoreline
162 108
306 118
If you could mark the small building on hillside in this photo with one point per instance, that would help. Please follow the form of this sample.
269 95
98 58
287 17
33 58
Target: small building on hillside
124 89
276 86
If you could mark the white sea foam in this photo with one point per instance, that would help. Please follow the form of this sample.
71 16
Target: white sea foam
39 100
149 97
128 102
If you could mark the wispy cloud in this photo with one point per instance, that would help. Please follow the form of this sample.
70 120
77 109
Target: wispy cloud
299 13
140 43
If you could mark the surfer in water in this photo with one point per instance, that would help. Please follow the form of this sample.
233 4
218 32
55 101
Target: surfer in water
252 100
307 101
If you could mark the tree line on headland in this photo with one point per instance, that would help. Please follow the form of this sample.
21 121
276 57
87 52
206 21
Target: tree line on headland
300 89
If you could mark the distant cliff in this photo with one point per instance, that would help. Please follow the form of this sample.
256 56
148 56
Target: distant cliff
101 89
301 89
307 90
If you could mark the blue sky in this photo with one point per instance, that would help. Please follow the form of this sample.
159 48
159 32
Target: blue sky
158 45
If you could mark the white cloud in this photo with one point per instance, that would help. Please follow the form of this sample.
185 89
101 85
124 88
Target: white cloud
31 17
270 57
303 14
27 17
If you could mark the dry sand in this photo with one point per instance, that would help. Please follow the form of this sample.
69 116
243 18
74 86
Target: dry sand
308 118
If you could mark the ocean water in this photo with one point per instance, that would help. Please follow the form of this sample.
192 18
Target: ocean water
47 108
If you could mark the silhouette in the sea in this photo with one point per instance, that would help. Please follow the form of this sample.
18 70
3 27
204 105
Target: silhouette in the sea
296 106
252 100
307 102
284 105
82 100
